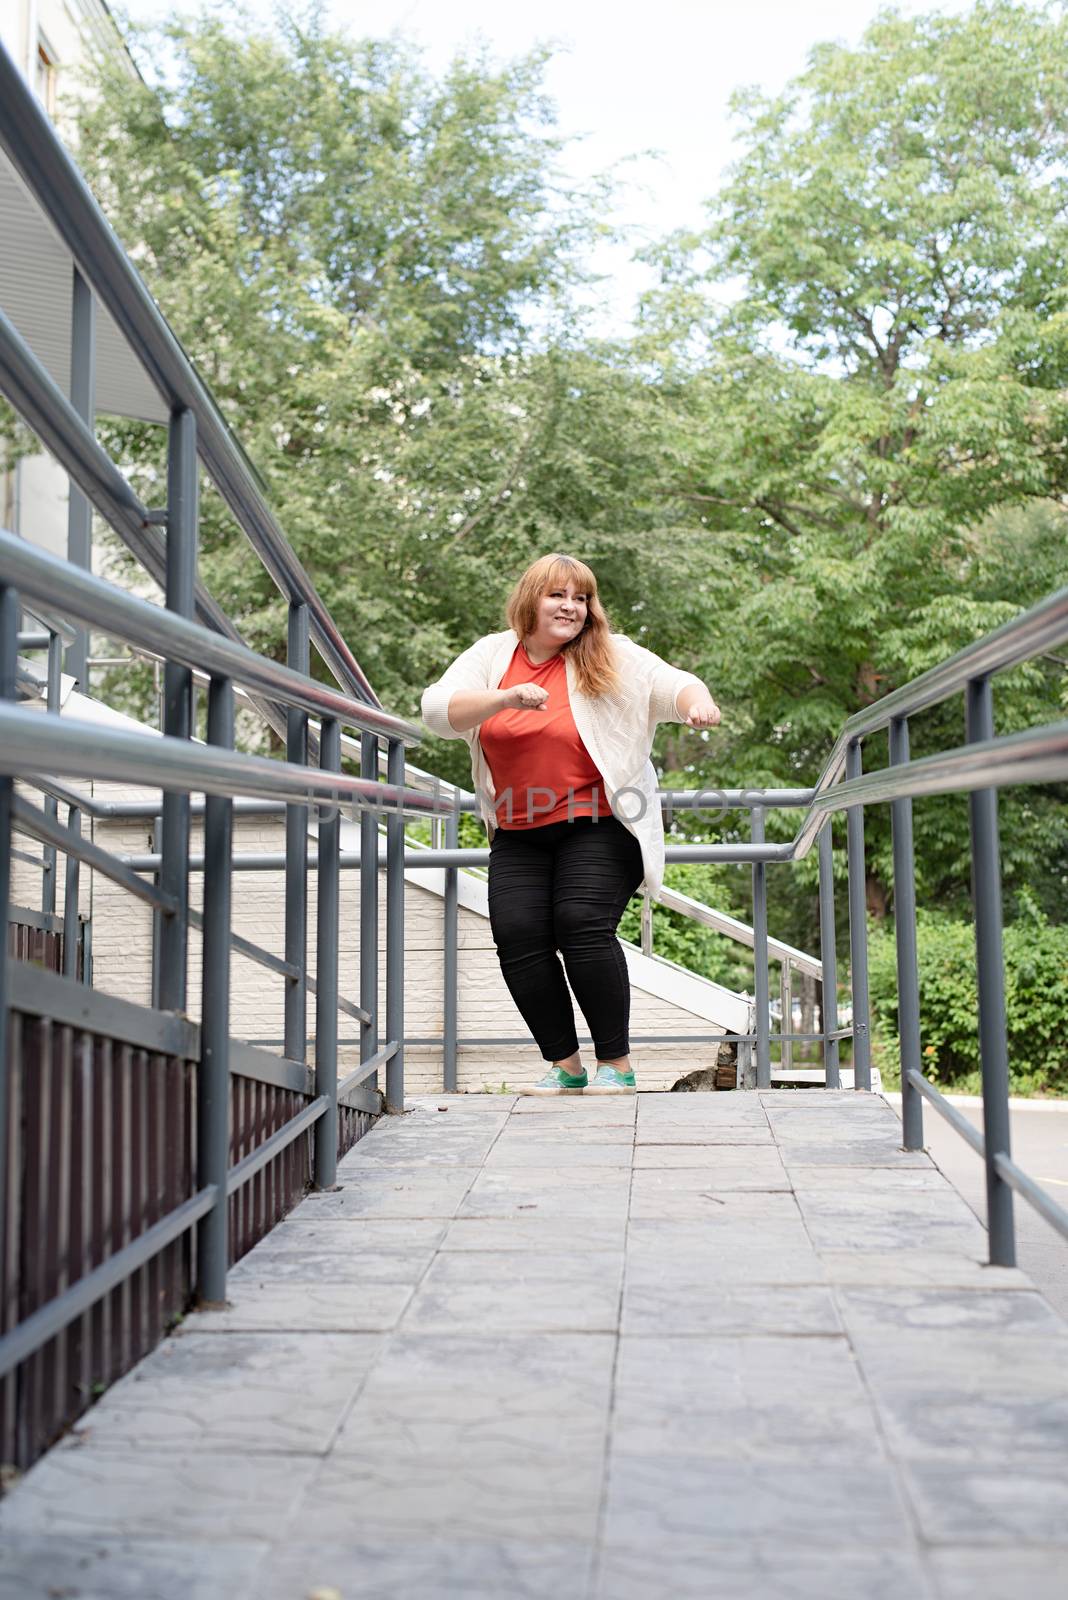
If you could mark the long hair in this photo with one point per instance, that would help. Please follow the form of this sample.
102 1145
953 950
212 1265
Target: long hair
591 650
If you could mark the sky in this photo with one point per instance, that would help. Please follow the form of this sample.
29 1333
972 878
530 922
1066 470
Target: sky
626 78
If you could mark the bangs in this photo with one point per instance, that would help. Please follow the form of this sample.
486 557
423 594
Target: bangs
565 567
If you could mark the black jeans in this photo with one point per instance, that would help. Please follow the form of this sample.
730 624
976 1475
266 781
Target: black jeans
563 887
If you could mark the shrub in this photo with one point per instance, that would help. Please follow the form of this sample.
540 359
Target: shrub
1036 999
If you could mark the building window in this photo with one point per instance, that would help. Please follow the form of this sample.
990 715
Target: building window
47 74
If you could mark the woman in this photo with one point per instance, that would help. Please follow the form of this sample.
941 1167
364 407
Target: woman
559 715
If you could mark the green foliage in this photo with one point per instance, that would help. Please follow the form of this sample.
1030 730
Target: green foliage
871 434
1036 999
678 938
807 494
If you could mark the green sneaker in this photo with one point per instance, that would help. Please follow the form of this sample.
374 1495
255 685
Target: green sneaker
610 1080
557 1081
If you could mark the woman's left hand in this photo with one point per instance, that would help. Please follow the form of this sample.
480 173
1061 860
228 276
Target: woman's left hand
704 713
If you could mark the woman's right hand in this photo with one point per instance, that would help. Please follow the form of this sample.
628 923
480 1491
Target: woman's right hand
526 697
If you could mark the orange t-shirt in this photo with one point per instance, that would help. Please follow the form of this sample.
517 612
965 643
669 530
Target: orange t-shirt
539 755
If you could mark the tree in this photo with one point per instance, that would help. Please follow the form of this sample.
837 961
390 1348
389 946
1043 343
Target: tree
351 253
890 380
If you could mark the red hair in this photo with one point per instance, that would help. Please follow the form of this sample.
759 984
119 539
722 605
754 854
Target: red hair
591 650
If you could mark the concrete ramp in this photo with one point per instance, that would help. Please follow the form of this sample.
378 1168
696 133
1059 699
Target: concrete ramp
723 1345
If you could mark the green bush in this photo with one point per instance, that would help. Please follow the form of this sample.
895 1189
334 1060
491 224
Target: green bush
1036 997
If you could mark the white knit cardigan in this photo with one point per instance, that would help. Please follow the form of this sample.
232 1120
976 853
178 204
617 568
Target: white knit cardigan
617 729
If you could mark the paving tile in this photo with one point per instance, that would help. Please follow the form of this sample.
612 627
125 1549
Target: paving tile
878 1151
891 1222
529 1230
246 1392
300 1306
775 1398
44 1567
731 1262
445 1568
824 1177
433 1192
308 1227
488 1493
332 1255
560 1130
505 1192
685 1112
737 1218
991 1574
1009 1320
82 1492
1024 1501
563 1154
480 1105
413 1155
519 1291
706 1157
844 1107
762 1568
661 1500
583 1111
817 1099
998 1419
908 1268
707 1306
533 1390
683 1136
694 1191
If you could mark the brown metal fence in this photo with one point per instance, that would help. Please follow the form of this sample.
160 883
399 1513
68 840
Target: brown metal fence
101 1136
35 936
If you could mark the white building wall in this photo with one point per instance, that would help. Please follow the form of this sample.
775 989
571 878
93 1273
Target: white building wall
122 965
34 492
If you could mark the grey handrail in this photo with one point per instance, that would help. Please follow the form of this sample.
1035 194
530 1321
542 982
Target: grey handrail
37 153
111 610
50 414
1038 755
733 928
31 742
1015 641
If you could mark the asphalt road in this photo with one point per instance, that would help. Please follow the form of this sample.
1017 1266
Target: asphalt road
1040 1147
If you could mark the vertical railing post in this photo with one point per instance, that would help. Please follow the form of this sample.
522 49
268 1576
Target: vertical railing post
828 960
990 972
182 515
296 946
786 1007
79 511
858 928
762 998
450 912
213 1075
369 905
51 805
908 973
9 630
71 890
395 930
328 878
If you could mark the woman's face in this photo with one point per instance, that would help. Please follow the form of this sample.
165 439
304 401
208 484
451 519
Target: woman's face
562 613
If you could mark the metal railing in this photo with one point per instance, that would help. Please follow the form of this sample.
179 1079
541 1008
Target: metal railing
194 635
239 1145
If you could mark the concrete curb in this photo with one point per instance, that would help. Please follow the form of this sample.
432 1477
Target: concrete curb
1016 1102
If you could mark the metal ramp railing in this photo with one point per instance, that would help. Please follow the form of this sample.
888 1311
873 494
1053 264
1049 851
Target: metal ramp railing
95 1061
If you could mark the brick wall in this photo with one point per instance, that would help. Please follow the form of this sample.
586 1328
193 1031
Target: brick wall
122 964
